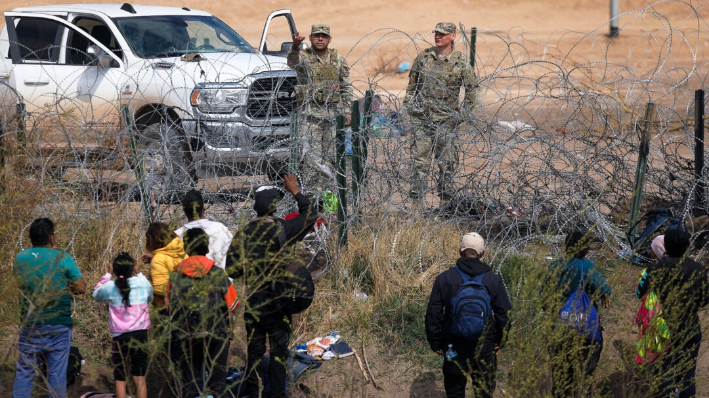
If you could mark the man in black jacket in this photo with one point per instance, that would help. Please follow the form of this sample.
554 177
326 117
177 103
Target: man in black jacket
259 253
475 358
682 287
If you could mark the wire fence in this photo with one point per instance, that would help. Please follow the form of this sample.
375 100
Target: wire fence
552 142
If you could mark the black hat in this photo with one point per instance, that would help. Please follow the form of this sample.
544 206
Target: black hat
676 242
265 199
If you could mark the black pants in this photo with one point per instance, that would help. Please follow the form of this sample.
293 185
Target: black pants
277 327
209 354
477 360
677 369
573 361
130 347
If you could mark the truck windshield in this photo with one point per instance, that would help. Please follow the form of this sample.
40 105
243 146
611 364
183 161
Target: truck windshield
175 35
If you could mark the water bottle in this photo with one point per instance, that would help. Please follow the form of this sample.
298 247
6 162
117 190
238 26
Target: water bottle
450 354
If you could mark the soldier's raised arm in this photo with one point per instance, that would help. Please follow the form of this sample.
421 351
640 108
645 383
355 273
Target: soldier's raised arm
293 57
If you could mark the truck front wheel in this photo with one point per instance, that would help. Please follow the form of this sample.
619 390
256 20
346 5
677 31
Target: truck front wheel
165 161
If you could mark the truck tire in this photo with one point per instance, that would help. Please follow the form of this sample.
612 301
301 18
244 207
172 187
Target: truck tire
165 163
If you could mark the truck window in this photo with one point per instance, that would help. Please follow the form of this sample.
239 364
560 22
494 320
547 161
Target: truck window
77 43
279 40
175 35
38 39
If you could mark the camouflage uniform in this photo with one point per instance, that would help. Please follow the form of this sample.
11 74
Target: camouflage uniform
433 104
323 92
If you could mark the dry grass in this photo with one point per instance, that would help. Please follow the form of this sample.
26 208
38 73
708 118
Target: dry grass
393 260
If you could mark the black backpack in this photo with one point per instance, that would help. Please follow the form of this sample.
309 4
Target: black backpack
294 291
657 222
197 306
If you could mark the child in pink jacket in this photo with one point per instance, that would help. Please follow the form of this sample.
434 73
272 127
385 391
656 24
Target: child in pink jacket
128 298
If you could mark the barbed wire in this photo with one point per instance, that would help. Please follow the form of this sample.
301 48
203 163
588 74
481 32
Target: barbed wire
552 144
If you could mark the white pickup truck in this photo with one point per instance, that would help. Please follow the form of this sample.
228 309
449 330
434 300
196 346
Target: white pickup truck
204 101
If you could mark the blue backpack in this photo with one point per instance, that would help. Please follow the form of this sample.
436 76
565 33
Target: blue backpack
471 307
580 314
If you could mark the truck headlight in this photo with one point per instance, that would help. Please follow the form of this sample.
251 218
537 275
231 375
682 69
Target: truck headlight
219 97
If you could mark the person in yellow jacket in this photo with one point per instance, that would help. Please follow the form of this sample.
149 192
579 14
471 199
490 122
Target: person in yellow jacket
166 251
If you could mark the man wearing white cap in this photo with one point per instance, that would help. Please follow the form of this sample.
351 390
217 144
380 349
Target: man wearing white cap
470 343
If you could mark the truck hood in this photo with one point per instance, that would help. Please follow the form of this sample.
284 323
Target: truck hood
220 67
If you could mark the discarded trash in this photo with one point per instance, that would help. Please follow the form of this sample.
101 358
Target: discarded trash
516 126
403 67
325 348
361 296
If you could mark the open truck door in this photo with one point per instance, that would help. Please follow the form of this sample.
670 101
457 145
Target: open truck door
277 37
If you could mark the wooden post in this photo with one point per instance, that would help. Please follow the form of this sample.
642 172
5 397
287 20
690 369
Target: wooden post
699 146
636 198
341 181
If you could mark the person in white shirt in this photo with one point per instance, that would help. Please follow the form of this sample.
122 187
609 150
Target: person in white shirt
219 235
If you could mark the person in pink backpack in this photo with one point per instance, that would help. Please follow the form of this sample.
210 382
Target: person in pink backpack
129 296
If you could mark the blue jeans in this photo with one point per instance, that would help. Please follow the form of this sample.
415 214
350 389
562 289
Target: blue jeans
51 340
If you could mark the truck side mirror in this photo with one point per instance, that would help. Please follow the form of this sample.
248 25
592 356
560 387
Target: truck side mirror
99 58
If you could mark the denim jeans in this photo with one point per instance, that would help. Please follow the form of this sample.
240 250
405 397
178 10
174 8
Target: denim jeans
52 340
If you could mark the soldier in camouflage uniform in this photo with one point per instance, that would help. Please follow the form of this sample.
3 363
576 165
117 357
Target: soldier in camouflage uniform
323 92
432 101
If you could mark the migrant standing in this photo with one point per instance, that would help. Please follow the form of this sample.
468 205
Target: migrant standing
682 288
128 297
260 253
476 346
199 298
219 235
47 279
575 354
166 250
436 77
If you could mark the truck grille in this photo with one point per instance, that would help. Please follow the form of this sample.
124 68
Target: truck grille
271 97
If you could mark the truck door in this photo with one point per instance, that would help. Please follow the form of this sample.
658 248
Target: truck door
277 36
60 69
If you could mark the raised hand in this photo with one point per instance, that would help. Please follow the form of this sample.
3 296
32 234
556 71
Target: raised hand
297 41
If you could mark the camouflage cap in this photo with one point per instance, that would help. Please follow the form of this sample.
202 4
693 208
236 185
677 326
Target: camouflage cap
320 28
445 28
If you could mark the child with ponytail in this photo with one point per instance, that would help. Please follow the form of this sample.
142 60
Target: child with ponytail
128 296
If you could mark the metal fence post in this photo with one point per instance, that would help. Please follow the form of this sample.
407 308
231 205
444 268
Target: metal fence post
636 198
699 146
21 123
473 38
138 166
615 10
356 156
341 181
293 158
368 98
2 144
